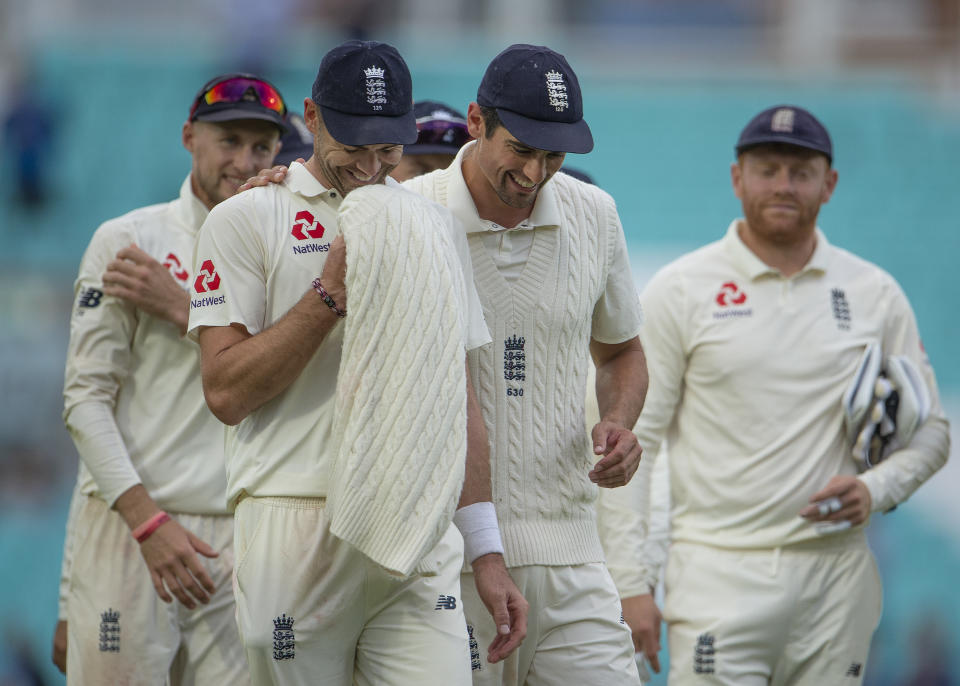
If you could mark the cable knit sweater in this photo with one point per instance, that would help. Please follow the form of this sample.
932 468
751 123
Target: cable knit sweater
531 380
401 390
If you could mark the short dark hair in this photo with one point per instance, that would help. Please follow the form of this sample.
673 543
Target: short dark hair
491 120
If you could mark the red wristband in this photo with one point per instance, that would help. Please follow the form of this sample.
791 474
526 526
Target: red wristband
143 532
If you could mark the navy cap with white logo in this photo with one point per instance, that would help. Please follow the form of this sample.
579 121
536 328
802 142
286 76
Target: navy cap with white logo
537 97
365 94
786 124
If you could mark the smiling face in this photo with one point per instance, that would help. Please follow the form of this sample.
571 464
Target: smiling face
226 154
504 175
781 188
346 167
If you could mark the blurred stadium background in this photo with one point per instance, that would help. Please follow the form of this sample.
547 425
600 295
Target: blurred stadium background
93 94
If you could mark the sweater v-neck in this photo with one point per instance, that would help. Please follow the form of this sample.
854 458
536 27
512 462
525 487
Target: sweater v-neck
526 291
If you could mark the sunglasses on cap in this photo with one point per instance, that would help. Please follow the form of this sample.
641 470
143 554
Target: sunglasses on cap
241 89
442 132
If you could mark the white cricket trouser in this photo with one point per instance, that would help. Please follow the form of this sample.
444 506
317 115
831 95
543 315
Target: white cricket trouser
118 629
575 630
801 615
313 609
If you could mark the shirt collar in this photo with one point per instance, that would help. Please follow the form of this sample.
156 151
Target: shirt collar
546 209
192 210
747 261
300 180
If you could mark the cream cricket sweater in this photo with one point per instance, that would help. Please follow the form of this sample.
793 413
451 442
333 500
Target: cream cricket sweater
400 418
531 381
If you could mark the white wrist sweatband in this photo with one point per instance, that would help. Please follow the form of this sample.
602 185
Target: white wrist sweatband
479 528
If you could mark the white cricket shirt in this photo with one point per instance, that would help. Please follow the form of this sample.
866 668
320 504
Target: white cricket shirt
144 369
747 370
259 252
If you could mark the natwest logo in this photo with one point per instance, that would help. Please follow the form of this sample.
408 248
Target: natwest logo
306 226
730 294
172 263
208 279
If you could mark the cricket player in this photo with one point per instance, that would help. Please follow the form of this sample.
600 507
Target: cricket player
752 342
270 309
551 267
152 524
441 132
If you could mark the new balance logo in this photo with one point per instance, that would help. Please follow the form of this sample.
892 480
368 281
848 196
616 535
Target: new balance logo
283 641
854 669
446 602
90 297
703 654
110 631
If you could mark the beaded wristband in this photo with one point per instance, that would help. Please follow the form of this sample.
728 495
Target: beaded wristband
145 530
331 303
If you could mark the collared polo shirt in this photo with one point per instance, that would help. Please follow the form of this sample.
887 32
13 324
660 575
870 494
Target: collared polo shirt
144 370
747 371
258 253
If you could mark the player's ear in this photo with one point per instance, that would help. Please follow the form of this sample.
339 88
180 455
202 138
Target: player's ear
186 136
311 116
475 123
736 178
829 186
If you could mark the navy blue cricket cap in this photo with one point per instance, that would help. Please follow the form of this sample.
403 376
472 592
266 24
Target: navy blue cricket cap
440 129
365 94
537 97
786 124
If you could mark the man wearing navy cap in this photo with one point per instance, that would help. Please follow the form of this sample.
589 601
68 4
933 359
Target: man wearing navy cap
150 521
550 264
441 132
312 604
754 340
